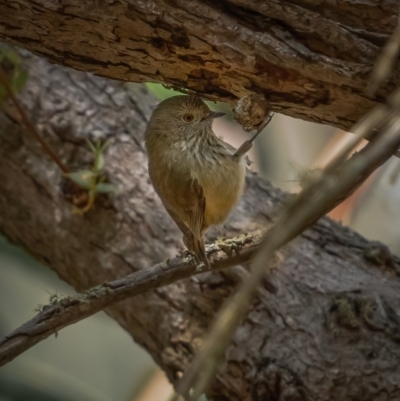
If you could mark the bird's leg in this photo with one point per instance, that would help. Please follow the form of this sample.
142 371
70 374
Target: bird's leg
184 253
247 145
193 259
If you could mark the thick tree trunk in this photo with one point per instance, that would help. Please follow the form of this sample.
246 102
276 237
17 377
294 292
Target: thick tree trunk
311 60
331 330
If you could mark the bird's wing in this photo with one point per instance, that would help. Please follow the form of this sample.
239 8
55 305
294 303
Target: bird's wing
188 210
197 208
183 197
189 219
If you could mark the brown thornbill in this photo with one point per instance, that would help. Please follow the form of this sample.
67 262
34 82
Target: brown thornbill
196 175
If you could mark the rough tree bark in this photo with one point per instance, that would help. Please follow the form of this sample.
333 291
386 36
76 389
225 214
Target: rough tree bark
330 332
311 59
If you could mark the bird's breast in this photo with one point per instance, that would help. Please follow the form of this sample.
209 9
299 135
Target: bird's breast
223 183
219 174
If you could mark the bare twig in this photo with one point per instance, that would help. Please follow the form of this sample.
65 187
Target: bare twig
69 310
29 124
247 145
338 181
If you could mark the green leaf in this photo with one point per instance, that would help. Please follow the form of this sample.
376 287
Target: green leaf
91 146
84 178
10 63
105 144
11 55
99 161
19 79
106 188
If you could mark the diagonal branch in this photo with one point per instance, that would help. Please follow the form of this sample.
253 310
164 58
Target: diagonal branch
70 310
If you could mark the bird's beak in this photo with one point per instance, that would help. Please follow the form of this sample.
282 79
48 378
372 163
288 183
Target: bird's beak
213 114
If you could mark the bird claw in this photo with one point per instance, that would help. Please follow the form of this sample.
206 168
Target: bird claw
201 266
185 253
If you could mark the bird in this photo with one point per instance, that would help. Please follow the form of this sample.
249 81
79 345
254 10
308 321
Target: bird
198 177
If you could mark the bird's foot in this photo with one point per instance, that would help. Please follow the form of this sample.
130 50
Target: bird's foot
191 256
185 253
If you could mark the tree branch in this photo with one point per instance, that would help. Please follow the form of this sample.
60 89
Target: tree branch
304 59
66 311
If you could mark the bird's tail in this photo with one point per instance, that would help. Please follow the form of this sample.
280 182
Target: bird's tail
197 247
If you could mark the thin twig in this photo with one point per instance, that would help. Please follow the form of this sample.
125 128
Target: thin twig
70 310
247 145
29 124
337 182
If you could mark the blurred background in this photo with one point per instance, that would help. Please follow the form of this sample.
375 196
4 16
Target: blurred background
96 360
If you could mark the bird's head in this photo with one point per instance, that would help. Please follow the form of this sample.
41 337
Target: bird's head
184 114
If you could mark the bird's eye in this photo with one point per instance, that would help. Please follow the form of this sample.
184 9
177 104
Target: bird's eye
188 118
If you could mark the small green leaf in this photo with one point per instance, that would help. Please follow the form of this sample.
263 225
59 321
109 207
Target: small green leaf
91 146
105 188
99 162
105 145
19 79
84 178
98 144
12 56
10 64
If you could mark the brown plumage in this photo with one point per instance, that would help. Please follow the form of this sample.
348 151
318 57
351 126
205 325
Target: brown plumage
197 177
